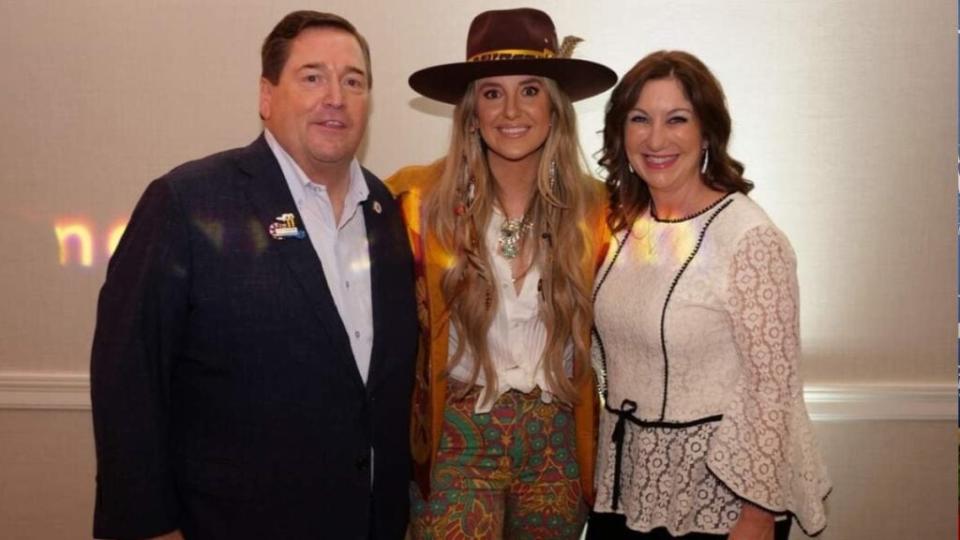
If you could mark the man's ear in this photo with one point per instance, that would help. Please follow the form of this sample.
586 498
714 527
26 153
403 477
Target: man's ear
266 94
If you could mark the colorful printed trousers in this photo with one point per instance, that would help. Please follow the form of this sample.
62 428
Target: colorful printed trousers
508 474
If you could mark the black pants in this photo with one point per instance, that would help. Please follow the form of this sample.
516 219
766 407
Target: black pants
603 526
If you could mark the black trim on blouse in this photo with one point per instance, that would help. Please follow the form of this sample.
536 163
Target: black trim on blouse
698 213
673 285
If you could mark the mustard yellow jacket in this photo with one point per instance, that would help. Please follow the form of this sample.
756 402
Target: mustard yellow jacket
430 389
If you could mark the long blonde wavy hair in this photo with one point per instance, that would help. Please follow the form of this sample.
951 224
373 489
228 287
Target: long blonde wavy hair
561 243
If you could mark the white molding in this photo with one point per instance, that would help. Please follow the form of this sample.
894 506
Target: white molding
881 401
825 402
44 391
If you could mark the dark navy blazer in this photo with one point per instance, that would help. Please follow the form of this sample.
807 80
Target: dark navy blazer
226 400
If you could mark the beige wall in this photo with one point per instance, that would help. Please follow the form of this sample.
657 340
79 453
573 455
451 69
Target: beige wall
844 112
894 480
46 475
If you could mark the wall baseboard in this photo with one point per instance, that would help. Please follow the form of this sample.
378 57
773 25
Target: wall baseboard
67 391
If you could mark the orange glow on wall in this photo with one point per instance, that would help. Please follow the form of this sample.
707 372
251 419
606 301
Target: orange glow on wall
78 244
74 237
113 237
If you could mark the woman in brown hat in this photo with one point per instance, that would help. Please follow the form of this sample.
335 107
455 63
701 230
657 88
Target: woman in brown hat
503 234
705 434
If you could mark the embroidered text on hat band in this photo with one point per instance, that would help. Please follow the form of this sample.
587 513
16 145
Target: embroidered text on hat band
510 54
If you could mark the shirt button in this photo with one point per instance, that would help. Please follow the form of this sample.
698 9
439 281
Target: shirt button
356 334
348 284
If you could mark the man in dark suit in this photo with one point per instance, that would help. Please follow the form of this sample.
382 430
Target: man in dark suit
253 358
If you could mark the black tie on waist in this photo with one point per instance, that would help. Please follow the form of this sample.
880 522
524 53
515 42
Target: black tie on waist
627 408
625 414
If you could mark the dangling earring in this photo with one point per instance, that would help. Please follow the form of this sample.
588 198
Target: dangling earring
553 175
706 160
630 168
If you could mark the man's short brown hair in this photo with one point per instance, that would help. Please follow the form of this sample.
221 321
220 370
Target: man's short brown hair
276 48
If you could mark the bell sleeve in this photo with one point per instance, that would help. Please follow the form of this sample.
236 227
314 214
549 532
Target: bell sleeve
764 449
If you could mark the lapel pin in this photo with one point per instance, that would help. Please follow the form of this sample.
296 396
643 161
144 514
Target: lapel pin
286 227
376 207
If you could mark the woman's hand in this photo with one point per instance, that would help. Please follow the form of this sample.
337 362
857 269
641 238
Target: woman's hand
754 524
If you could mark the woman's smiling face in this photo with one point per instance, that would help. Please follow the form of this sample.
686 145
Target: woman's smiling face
513 116
662 137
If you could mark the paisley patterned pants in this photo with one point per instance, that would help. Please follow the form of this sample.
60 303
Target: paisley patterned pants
507 474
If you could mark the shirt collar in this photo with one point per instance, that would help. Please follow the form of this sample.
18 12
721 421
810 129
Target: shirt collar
299 182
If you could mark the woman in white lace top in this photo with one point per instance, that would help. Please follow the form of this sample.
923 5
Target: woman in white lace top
704 432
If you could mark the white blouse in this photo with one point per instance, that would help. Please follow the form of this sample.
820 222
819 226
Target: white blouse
698 338
517 336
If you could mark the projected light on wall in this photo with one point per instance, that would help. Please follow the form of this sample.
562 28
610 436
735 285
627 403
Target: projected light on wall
80 244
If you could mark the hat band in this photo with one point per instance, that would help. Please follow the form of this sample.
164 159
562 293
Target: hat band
510 54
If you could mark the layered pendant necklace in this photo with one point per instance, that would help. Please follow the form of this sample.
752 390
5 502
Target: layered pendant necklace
510 238
513 231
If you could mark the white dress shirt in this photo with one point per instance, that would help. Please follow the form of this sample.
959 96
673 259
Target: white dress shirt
342 248
517 336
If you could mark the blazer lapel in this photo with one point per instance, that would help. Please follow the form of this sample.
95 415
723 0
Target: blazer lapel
377 241
270 196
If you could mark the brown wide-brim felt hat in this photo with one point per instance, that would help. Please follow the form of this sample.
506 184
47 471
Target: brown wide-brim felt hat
513 42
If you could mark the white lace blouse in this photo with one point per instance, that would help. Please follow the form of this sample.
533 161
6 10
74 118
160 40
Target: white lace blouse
697 344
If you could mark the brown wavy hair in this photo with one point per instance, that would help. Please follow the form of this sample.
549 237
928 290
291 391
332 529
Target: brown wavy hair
628 193
561 243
